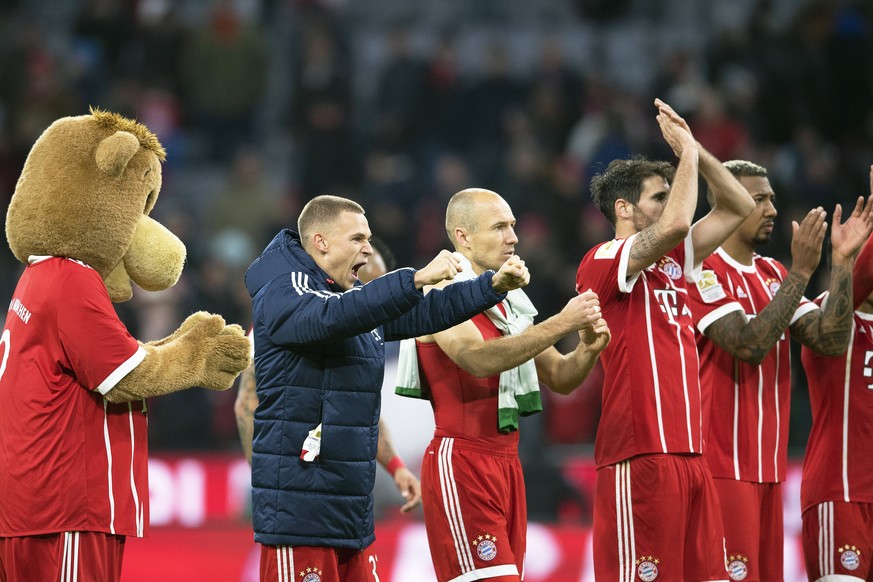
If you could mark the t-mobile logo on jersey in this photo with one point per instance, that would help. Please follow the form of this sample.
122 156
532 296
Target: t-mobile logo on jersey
667 300
868 371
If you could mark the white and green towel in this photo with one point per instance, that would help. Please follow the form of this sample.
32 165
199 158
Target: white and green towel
519 393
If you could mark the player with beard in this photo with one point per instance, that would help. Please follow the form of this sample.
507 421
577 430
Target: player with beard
656 512
744 360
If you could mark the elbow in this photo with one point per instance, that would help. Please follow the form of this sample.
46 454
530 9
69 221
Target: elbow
746 207
677 228
563 389
751 359
831 350
479 371
749 356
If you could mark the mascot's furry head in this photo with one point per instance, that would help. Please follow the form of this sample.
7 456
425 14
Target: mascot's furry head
85 193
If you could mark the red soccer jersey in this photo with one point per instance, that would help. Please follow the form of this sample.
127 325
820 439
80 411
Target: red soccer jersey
838 465
464 406
745 407
651 393
69 459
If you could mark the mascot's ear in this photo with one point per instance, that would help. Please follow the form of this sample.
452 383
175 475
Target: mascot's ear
115 152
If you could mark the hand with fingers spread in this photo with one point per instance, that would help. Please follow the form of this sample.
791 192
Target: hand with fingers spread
444 266
674 128
806 242
513 274
848 237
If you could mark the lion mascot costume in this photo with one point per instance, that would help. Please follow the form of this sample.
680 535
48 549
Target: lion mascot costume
73 381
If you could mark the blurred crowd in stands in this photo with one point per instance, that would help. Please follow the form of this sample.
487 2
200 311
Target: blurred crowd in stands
262 105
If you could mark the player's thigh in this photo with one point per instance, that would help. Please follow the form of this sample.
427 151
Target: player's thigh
742 515
300 563
83 556
837 542
469 515
704 538
640 513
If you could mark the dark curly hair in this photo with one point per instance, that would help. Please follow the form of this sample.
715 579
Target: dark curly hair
624 179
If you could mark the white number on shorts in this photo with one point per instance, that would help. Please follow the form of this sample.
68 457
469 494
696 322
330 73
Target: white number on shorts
373 559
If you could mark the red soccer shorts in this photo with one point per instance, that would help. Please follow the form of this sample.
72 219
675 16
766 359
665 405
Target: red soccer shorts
474 510
754 537
316 564
80 556
837 543
656 517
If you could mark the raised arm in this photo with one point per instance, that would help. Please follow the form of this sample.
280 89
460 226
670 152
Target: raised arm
654 241
750 339
827 331
466 347
862 273
731 205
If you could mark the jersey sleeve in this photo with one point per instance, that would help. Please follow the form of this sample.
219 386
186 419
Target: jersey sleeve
709 297
604 269
100 349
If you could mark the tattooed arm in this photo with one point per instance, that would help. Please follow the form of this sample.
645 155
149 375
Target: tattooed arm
827 331
671 228
750 340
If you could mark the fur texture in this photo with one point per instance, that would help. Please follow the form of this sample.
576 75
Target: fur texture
85 193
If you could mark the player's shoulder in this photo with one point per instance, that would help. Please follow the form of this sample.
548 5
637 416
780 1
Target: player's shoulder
605 251
768 264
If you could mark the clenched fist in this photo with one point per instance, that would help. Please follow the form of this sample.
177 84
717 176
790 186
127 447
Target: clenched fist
513 274
444 266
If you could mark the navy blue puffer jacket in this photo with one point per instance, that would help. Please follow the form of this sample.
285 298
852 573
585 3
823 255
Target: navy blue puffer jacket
319 359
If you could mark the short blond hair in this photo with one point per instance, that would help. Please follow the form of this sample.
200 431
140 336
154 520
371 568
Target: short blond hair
321 212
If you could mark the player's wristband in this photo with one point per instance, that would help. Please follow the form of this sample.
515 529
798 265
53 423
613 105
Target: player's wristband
394 464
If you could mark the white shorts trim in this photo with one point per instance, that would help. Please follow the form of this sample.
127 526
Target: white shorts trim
490 572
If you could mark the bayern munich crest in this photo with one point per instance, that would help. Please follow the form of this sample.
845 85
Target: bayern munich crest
486 549
850 557
647 568
671 268
773 285
311 575
738 567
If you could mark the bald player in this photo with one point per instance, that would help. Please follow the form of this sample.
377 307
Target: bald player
480 376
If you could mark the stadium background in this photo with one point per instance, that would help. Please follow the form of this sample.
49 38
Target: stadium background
264 104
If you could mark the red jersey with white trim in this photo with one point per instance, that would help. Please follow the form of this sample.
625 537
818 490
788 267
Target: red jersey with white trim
651 393
745 406
464 406
838 465
69 459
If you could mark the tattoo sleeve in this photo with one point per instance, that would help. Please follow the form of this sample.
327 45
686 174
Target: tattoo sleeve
750 340
827 331
649 245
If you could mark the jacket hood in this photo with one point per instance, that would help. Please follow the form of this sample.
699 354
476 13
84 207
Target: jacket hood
283 255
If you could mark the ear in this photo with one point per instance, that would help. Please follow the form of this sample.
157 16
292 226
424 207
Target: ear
461 237
623 209
320 243
116 151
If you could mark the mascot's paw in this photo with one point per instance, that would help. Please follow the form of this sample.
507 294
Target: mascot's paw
190 322
223 351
